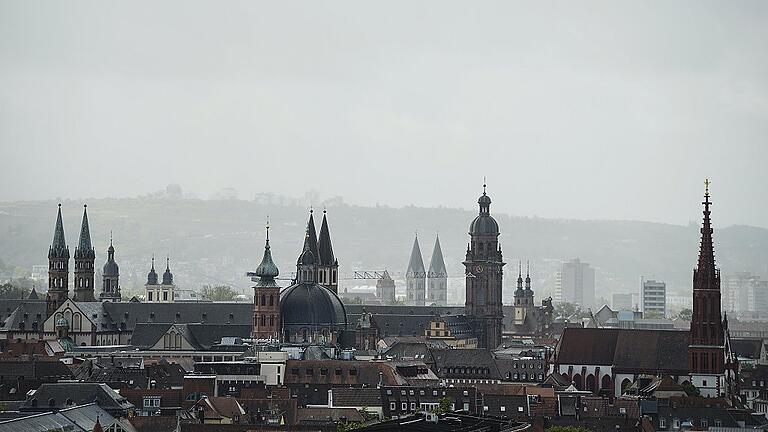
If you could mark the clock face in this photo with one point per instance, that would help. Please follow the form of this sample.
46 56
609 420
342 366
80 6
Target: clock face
478 269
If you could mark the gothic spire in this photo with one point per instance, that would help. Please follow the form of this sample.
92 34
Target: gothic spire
310 240
267 270
437 263
416 263
59 244
325 249
705 269
84 247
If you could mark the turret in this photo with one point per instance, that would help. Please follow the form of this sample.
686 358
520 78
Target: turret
110 286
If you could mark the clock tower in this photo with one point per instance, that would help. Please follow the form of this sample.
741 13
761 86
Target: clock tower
483 266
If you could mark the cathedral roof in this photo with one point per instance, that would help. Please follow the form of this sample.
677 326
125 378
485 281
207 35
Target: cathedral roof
84 247
310 304
416 263
437 263
59 245
325 249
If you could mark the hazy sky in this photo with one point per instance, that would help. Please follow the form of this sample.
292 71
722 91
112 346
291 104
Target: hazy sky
574 109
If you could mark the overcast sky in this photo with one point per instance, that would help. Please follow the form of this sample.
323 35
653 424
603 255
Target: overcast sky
572 109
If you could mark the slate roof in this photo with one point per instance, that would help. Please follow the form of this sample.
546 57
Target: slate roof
401 325
747 348
79 418
317 416
311 372
201 336
31 313
465 363
356 397
188 312
59 245
84 247
650 351
78 394
34 369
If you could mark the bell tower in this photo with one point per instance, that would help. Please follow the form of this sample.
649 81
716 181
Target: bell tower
484 271
58 268
84 260
266 297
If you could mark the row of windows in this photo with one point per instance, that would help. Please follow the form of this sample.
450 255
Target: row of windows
150 296
263 321
83 265
323 371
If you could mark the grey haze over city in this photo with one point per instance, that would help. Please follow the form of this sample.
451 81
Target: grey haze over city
576 112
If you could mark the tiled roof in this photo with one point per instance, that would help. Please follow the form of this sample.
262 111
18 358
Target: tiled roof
356 397
625 349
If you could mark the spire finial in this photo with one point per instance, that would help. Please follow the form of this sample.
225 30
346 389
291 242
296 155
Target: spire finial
484 185
706 187
110 237
325 210
311 209
153 260
167 262
528 268
520 268
59 205
267 228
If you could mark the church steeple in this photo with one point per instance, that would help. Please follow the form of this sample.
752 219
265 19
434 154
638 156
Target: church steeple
266 296
327 265
707 352
415 277
267 270
437 284
84 263
58 268
110 285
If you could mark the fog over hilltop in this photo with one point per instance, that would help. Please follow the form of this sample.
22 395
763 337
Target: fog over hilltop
217 241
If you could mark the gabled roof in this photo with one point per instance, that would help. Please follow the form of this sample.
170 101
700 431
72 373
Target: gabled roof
76 394
415 263
437 263
200 336
81 418
625 349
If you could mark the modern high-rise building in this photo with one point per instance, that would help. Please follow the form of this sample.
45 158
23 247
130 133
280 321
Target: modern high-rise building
622 302
653 298
745 292
577 283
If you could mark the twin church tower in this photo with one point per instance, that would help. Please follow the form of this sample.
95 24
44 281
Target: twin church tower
85 256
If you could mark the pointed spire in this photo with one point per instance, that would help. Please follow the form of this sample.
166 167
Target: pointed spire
152 275
519 290
706 264
59 244
324 246
528 277
310 239
416 263
437 263
167 276
267 270
84 247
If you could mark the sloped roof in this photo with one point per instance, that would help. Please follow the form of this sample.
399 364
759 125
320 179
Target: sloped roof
79 394
625 349
479 363
132 313
32 314
78 418
748 348
356 397
201 336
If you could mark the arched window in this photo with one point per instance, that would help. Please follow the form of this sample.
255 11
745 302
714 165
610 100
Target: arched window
263 300
607 382
271 299
77 322
178 341
591 383
577 382
263 320
625 384
271 320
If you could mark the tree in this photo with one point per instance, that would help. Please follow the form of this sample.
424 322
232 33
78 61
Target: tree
686 314
444 406
690 389
219 293
9 291
566 309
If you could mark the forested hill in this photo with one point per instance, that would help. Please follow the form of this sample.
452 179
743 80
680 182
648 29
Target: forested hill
213 241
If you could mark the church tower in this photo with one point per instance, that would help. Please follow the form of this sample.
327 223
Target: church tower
58 268
327 264
523 297
437 282
84 263
266 297
415 277
484 273
110 284
706 353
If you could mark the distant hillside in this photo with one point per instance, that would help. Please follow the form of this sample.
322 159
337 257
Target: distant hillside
212 242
